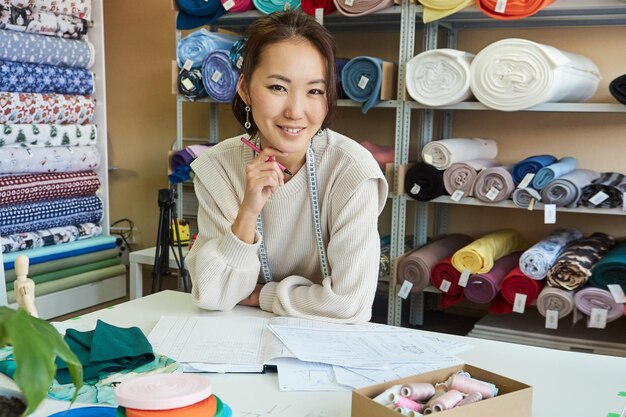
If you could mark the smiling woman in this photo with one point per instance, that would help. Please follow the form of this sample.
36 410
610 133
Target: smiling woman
303 245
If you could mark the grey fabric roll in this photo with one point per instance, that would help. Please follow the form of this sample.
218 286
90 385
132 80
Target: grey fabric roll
497 177
555 299
566 190
461 175
522 196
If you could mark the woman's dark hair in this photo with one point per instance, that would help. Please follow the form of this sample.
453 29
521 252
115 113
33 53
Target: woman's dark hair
279 27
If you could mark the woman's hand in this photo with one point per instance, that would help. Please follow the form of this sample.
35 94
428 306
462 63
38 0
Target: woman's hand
253 299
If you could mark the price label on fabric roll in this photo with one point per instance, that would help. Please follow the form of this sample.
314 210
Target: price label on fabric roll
500 6
549 214
531 204
492 193
457 195
239 62
228 4
216 76
445 285
598 317
617 292
415 190
428 158
464 277
526 181
319 15
187 83
405 289
552 319
287 6
348 2
598 198
187 65
363 82
519 304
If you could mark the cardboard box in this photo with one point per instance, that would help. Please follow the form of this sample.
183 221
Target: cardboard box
514 398
389 85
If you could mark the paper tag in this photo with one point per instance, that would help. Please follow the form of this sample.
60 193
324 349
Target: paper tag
415 190
617 292
239 62
500 6
405 289
531 204
598 198
519 304
552 319
526 181
287 6
188 64
549 213
445 285
363 82
319 15
428 158
457 195
493 193
216 76
187 83
348 2
464 277
228 4
597 320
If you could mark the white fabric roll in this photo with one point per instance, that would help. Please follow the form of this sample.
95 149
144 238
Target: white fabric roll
443 153
439 77
516 74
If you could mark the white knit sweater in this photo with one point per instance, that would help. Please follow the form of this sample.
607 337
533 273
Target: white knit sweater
224 270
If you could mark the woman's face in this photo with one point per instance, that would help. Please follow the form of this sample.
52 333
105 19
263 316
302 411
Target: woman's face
287 94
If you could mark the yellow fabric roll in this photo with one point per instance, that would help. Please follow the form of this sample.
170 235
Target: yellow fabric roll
438 9
480 255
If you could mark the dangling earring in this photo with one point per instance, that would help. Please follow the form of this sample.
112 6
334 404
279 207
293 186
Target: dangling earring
247 124
320 132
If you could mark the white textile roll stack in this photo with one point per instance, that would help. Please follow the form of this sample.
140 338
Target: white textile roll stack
439 77
516 74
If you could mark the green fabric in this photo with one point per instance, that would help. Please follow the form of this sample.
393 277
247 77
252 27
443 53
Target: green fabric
105 350
73 281
68 272
63 263
611 269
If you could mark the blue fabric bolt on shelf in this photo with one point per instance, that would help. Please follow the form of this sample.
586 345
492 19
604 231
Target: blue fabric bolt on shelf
19 77
197 45
219 76
180 174
190 84
87 412
196 13
530 165
361 79
270 6
553 171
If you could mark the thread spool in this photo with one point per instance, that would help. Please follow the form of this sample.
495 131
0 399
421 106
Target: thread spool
469 385
406 412
439 391
384 397
447 401
417 391
400 401
474 397
463 373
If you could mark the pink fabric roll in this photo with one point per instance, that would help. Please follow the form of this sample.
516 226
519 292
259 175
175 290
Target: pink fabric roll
239 5
461 175
382 154
361 7
496 177
590 297
483 288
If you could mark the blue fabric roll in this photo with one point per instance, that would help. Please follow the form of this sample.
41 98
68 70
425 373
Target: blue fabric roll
190 84
196 13
197 45
219 77
553 171
18 77
530 165
270 6
354 74
87 412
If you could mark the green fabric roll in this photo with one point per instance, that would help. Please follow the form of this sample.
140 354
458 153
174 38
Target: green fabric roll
58 264
611 269
68 272
105 350
73 281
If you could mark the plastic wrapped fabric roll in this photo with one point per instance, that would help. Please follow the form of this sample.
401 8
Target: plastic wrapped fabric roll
555 299
196 13
483 287
438 9
271 6
28 19
566 190
613 184
309 6
523 196
496 178
416 265
589 298
361 8
537 260
18 77
514 283
219 77
445 276
552 171
513 9
439 77
190 84
48 237
424 182
617 88
361 79
611 269
237 6
28 188
36 49
45 135
480 255
530 165
198 44
516 74
56 159
461 175
45 108
443 153
75 8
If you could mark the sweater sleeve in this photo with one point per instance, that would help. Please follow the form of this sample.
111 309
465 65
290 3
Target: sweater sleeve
223 269
353 254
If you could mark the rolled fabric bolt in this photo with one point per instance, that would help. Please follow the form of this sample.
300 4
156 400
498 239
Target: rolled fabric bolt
474 397
417 391
383 397
447 401
401 401
468 385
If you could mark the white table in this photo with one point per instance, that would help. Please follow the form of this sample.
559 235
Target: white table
564 383
137 260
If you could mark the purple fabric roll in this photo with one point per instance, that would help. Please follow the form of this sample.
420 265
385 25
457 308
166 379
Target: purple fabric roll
482 288
590 297
181 158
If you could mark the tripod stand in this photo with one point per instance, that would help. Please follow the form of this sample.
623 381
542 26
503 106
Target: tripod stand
168 236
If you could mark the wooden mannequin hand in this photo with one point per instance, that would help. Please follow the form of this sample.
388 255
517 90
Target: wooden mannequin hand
253 299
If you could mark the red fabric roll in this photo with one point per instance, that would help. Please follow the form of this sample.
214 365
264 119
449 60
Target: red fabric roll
514 9
444 270
514 283
309 6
